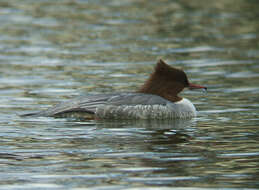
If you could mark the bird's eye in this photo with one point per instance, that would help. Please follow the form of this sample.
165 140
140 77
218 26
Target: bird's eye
186 81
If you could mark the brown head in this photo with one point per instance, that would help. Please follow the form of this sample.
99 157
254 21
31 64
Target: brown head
167 82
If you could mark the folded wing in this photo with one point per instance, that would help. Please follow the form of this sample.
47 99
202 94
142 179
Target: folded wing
90 103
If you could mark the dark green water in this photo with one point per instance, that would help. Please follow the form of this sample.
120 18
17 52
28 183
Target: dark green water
51 51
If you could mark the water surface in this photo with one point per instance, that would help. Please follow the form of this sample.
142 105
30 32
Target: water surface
51 51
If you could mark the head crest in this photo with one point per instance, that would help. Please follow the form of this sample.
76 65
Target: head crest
162 66
165 81
164 70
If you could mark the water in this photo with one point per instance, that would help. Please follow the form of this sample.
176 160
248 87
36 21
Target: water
51 51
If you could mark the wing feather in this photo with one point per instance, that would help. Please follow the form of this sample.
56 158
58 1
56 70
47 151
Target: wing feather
88 104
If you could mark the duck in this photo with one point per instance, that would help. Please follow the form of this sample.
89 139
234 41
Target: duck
158 98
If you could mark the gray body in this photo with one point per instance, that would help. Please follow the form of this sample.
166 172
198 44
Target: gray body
122 106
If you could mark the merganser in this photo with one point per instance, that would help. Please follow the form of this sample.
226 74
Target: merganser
156 99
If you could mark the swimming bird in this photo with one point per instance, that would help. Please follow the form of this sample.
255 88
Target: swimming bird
157 98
